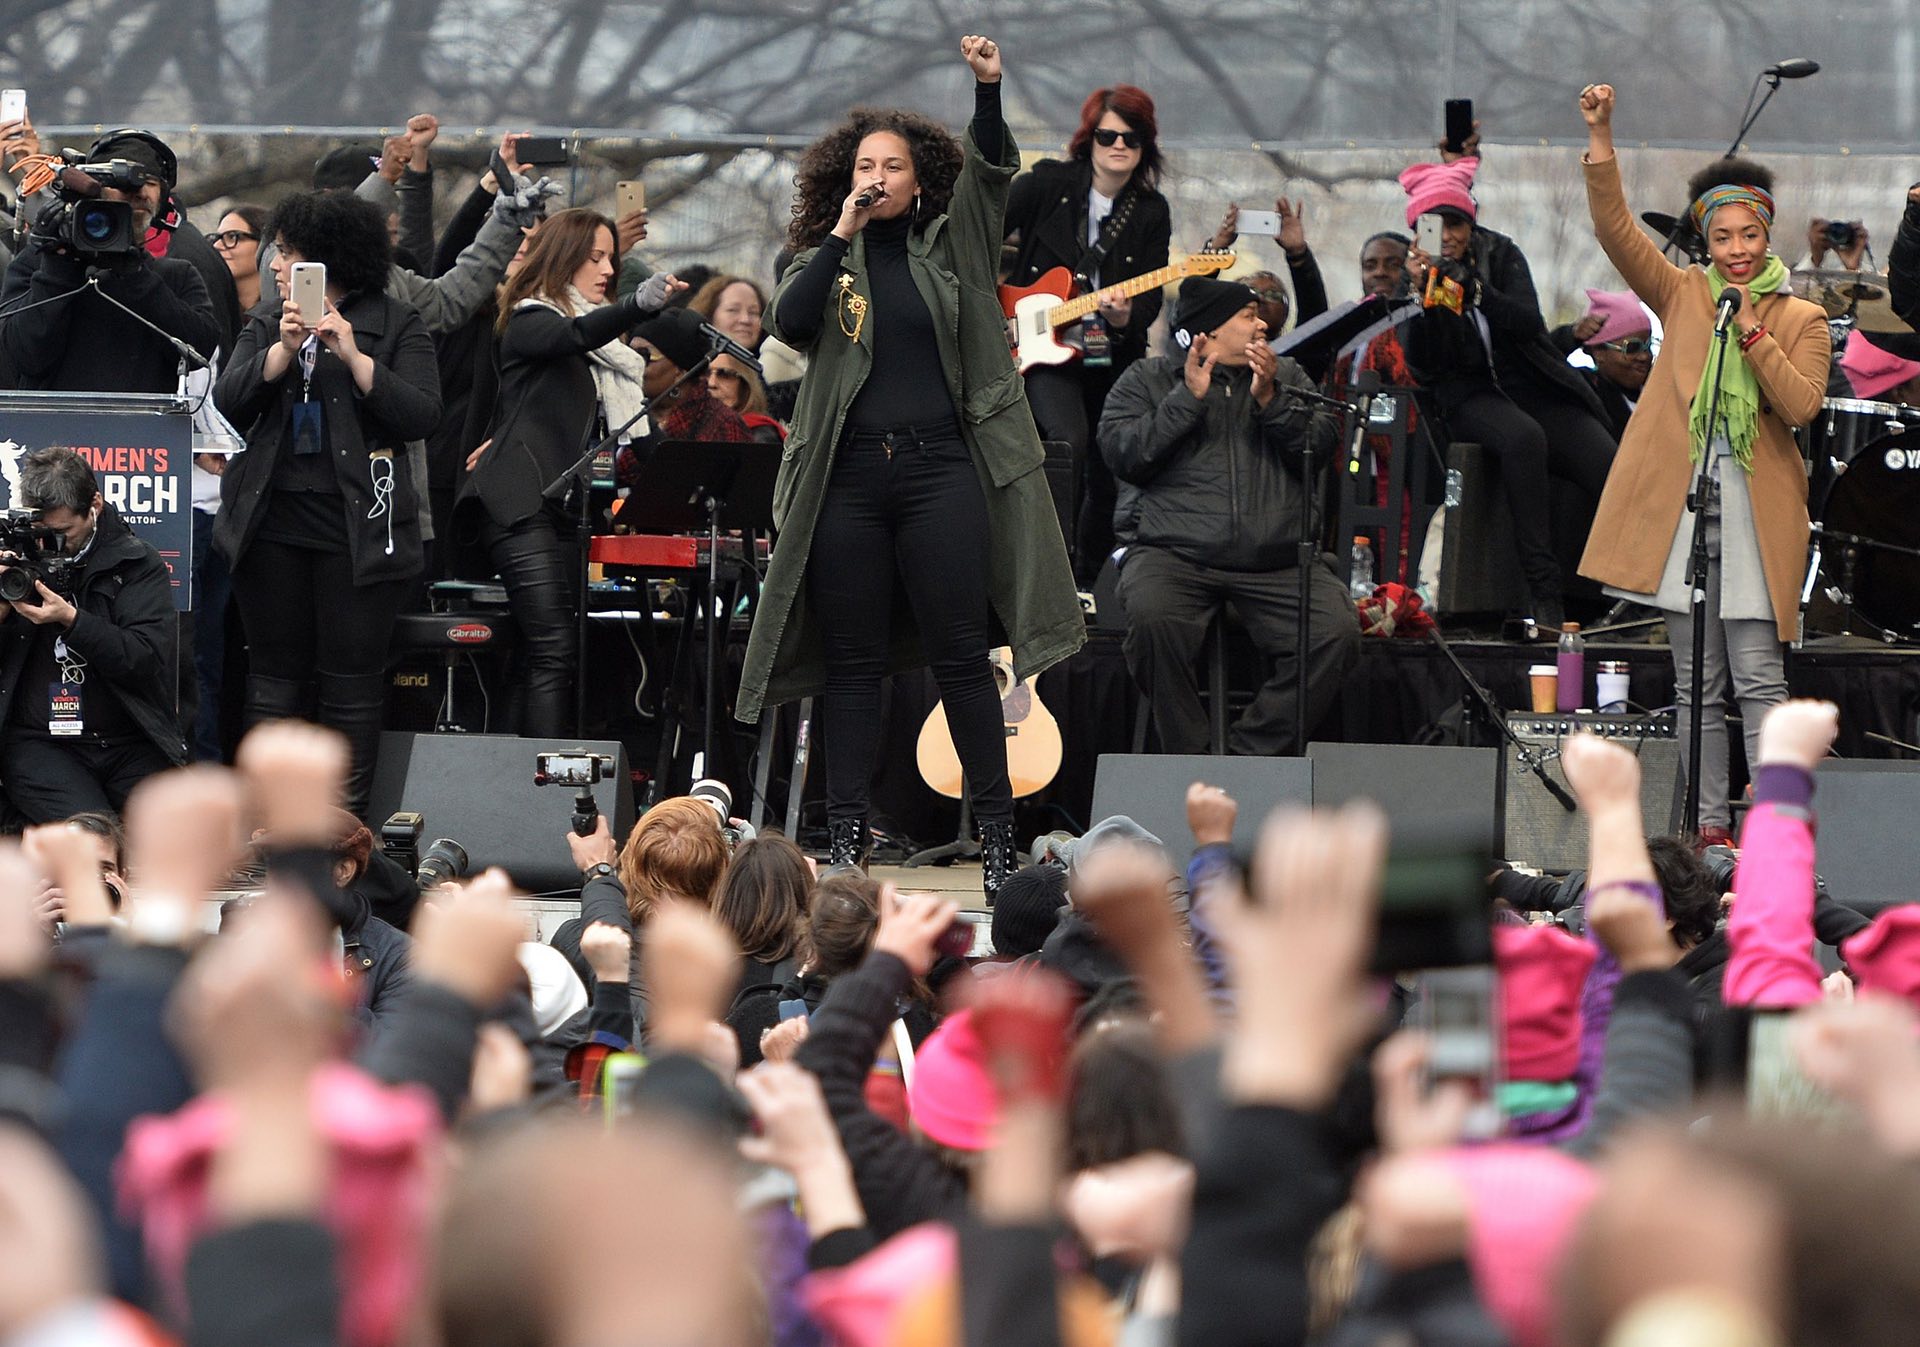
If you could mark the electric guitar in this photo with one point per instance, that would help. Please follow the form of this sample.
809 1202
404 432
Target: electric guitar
1033 737
1035 311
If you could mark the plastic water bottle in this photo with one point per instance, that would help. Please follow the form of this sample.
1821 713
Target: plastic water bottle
1360 576
1571 664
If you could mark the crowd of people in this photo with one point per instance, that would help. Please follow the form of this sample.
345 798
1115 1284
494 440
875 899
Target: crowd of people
744 1101
261 1081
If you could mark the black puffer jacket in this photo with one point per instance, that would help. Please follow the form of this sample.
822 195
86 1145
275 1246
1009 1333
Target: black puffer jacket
127 632
1215 481
1445 348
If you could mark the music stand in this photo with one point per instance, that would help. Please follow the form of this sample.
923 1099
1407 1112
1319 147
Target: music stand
684 486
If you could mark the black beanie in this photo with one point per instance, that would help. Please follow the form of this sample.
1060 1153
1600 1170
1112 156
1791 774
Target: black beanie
676 334
1026 909
1205 303
135 150
345 168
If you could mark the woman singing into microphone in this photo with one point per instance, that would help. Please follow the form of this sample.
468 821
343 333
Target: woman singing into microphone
913 464
1772 379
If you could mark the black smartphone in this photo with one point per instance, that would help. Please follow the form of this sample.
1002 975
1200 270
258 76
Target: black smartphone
541 151
1434 909
1459 123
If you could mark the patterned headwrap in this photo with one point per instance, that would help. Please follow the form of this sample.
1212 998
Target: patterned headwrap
1733 194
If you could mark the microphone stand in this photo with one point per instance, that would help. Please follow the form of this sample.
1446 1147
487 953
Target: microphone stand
569 482
1524 753
1308 555
1676 237
1697 568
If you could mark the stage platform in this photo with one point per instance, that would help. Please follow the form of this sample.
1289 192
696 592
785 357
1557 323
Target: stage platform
1397 693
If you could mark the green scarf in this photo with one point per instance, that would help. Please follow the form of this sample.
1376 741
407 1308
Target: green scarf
1739 413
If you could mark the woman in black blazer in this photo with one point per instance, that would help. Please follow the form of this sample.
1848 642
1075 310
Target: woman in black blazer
318 517
1104 193
566 374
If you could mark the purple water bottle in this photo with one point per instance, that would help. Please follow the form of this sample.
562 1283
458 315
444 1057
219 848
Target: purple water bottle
1571 664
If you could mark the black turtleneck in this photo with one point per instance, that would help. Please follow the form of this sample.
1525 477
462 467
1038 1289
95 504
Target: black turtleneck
906 385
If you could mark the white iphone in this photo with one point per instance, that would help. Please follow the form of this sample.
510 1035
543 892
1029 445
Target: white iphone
309 290
13 105
1259 224
1426 236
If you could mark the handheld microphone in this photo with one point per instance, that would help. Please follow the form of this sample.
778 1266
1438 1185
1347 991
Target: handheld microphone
1796 69
865 199
721 344
1728 305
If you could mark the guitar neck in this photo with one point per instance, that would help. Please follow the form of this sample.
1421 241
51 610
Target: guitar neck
1073 310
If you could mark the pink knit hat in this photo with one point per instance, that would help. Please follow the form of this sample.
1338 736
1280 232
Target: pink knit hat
1886 956
1433 187
1523 1203
1542 970
952 1097
382 1141
1872 368
860 1304
1620 315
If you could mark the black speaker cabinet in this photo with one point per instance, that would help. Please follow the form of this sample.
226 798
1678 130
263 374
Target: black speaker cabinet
1865 806
1151 789
1431 793
1479 564
478 790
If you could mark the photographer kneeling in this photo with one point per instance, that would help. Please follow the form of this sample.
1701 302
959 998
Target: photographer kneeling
55 337
87 655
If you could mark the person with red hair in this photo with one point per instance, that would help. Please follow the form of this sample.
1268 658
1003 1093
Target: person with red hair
1099 214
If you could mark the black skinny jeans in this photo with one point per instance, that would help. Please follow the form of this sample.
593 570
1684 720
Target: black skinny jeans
1066 402
304 616
538 561
908 512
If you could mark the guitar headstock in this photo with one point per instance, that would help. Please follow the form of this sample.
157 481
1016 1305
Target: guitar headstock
1208 262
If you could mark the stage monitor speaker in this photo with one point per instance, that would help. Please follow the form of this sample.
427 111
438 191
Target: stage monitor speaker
1431 793
1151 789
1479 564
1865 806
478 789
1541 831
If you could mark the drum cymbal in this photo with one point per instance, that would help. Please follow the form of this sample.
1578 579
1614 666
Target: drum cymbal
1837 291
1664 225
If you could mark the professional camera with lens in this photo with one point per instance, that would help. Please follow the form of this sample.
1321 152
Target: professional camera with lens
443 860
36 556
1840 234
83 220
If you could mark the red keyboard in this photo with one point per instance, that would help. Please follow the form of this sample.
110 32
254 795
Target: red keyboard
665 551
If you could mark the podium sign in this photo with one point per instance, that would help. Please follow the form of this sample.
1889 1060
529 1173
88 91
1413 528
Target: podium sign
141 450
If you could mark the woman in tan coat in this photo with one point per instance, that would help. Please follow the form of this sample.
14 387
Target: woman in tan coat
1773 379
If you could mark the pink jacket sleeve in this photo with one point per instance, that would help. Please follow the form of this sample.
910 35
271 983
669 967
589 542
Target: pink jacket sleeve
1770 932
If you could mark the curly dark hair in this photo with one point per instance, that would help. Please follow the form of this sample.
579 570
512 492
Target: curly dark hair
826 170
1693 899
1740 172
346 233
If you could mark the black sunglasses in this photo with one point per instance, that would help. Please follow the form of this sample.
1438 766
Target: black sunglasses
1631 346
231 238
1106 135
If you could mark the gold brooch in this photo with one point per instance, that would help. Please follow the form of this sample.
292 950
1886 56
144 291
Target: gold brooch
852 306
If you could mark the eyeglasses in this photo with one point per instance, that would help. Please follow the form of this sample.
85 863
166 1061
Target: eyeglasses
1631 346
231 238
1106 135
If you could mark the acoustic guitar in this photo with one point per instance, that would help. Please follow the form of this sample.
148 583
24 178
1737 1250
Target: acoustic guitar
1035 312
1033 737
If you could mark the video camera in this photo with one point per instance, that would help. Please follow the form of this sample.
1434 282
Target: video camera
36 556
81 218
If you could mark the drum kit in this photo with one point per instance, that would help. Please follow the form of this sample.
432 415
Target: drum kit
1863 494
1863 487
